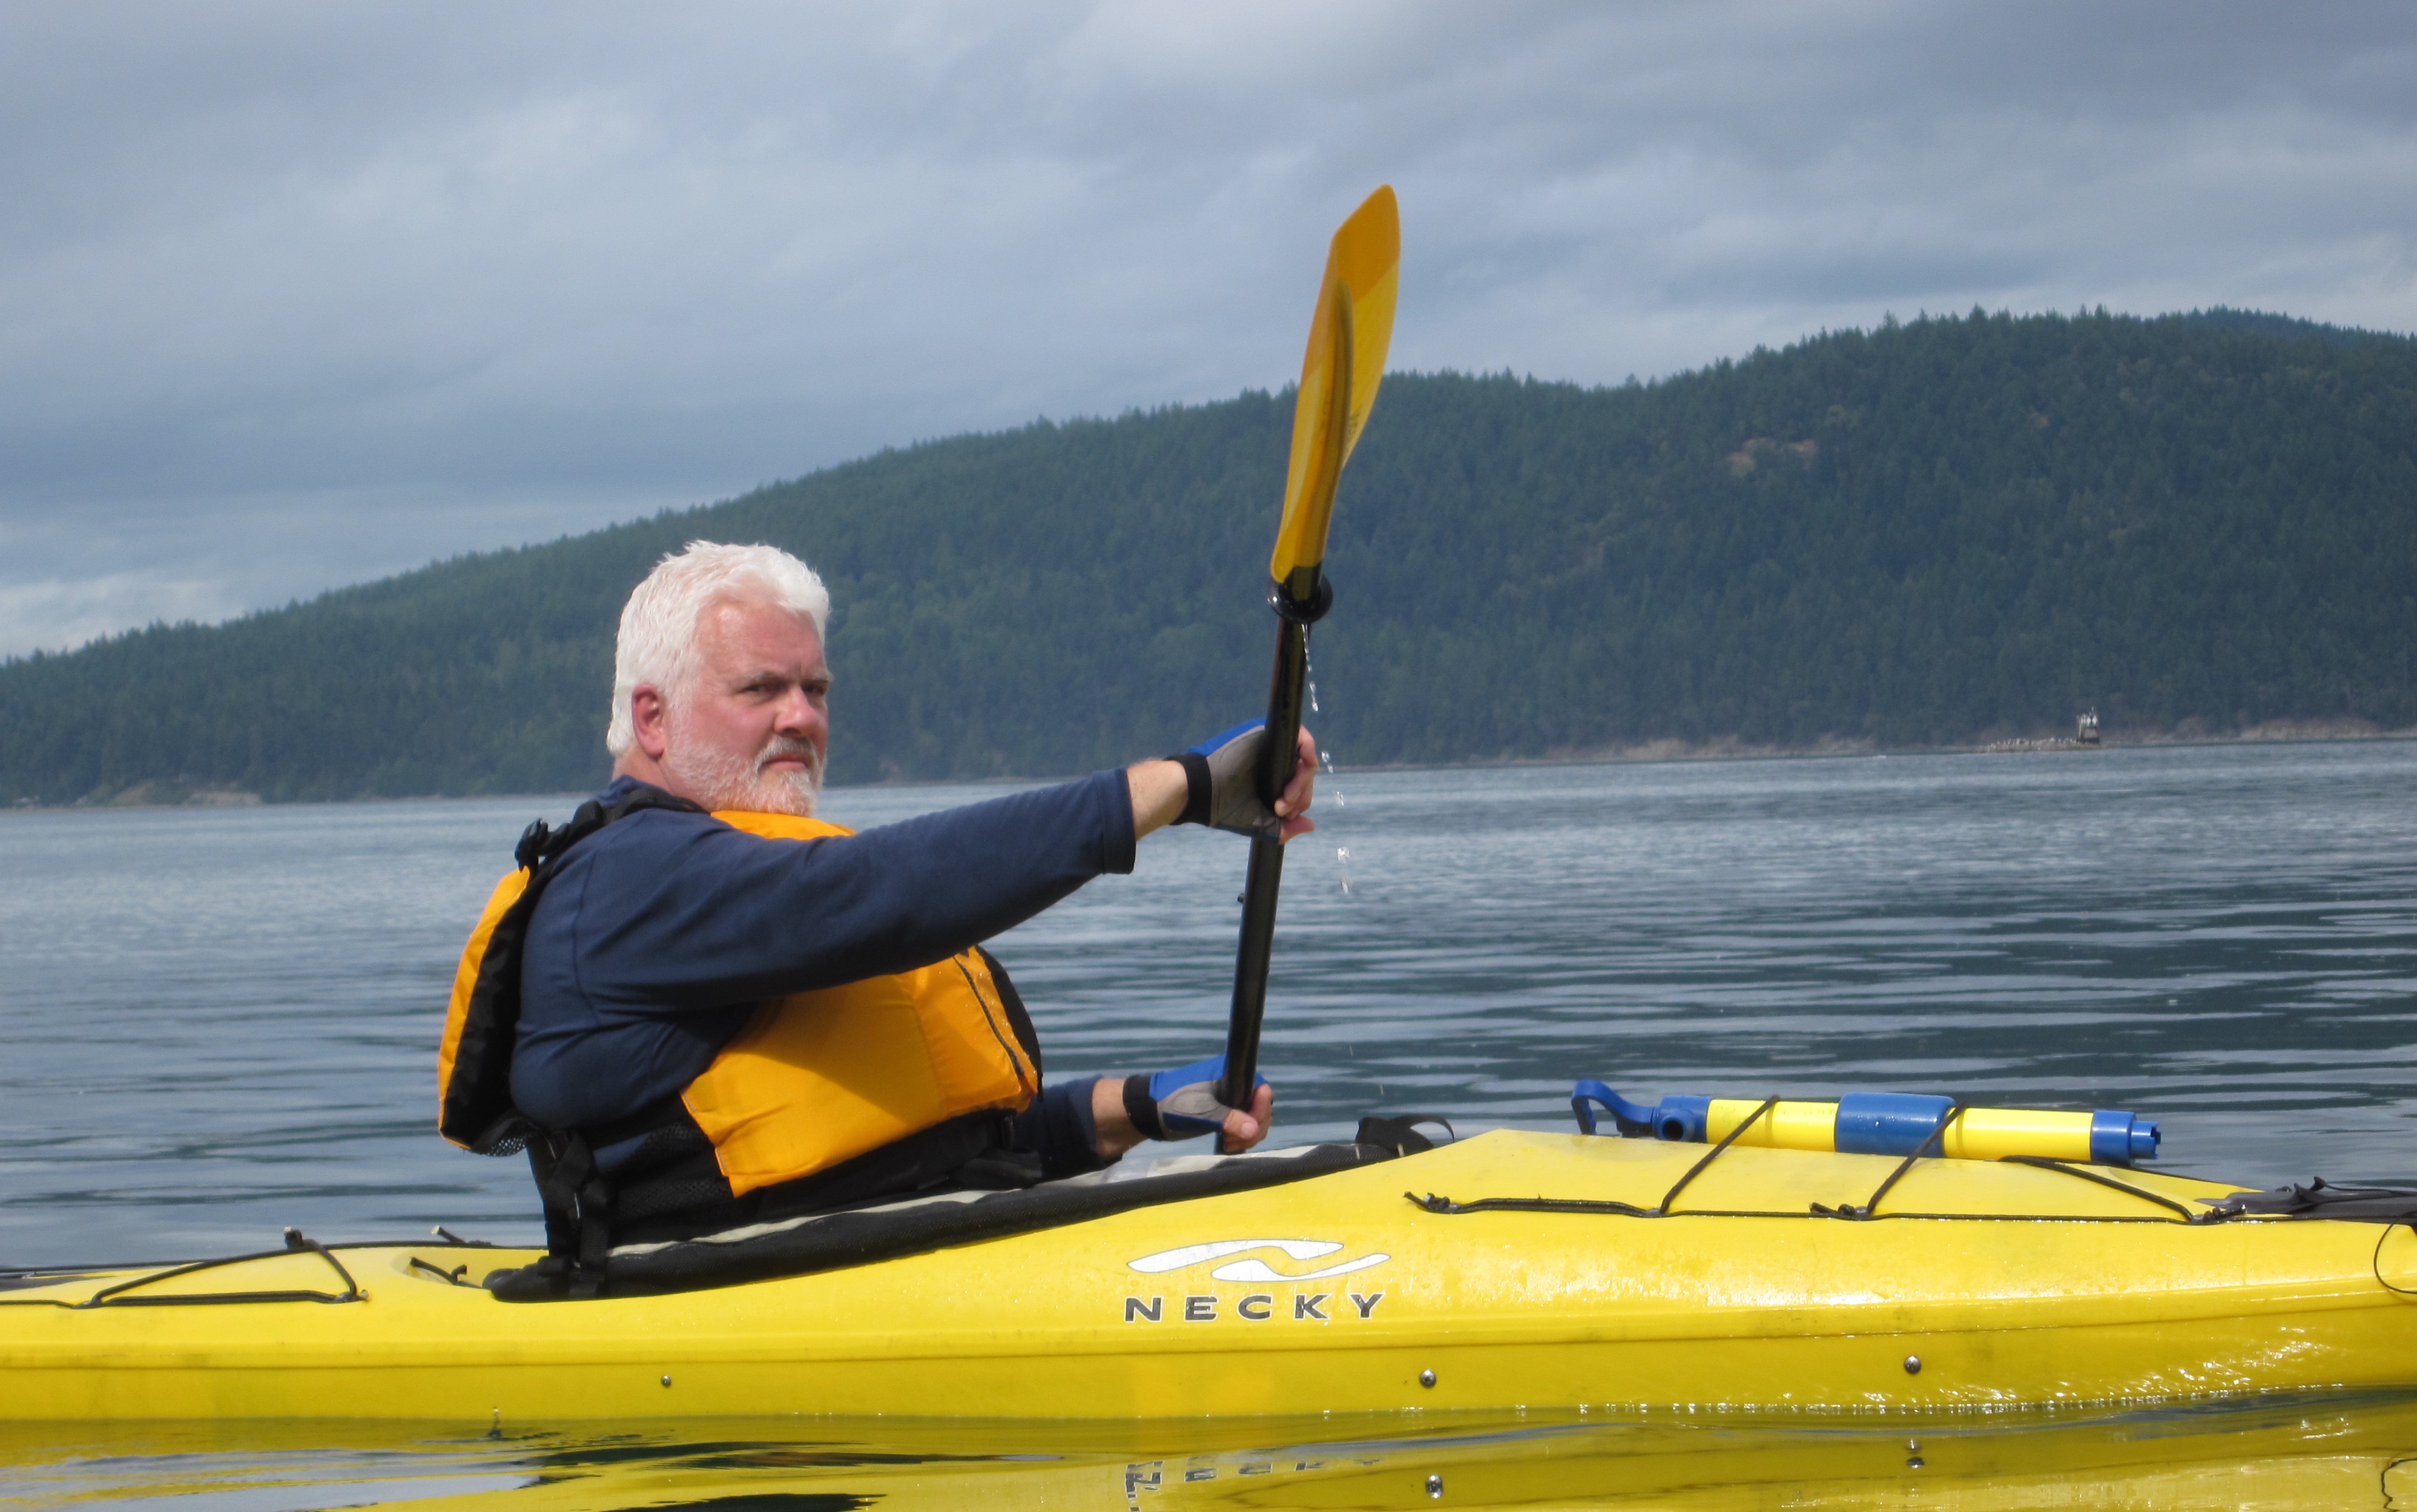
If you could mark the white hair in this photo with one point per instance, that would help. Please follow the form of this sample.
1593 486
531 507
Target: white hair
658 640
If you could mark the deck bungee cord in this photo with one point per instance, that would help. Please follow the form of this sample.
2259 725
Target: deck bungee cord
1863 1212
121 1294
1880 1123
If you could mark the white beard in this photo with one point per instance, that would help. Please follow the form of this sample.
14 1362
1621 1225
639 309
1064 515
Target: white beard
722 781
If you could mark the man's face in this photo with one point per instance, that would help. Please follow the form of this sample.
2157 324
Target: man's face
751 729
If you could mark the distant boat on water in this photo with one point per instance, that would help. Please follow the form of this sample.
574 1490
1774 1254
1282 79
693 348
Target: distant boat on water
2084 737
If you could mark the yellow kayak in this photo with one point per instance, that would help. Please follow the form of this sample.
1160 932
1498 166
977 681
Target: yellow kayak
1511 1270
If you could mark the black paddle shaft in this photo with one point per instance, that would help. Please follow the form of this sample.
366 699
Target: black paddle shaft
1277 758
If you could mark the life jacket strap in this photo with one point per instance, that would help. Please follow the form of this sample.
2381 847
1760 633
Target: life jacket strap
578 1201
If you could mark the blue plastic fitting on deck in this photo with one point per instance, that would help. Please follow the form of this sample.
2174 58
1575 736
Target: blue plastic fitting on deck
1678 1118
1632 1118
1887 1122
2120 1139
1682 1117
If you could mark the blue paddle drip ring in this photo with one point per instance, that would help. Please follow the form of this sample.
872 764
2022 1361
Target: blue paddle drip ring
1321 598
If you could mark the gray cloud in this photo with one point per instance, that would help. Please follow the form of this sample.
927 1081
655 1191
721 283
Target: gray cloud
297 295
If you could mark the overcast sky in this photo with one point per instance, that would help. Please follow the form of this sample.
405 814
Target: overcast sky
297 295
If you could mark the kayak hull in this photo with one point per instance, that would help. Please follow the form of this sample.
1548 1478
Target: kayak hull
2027 1286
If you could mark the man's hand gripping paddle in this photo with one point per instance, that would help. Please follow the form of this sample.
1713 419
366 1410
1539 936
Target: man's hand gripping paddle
1347 338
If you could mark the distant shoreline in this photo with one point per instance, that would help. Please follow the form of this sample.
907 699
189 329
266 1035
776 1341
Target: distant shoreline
2273 733
2276 732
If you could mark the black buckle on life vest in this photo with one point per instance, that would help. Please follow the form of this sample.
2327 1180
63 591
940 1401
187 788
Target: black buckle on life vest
534 841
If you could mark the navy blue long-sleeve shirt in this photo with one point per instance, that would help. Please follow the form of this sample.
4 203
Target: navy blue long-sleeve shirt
662 931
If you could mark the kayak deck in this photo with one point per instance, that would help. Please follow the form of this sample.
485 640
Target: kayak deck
1522 1284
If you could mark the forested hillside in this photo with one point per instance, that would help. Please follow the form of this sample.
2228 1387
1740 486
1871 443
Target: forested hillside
1930 533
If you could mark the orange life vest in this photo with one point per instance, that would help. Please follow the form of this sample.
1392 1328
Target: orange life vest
814 1079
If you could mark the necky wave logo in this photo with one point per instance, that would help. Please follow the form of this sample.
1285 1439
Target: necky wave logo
1254 1270
1259 1306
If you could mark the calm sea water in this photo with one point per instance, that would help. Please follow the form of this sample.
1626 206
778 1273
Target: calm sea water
219 1022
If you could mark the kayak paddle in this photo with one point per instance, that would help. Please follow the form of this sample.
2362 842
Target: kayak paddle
1347 338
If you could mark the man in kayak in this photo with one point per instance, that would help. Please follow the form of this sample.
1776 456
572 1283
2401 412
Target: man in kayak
701 1007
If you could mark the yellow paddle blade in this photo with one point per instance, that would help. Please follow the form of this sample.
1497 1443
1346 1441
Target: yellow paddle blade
1347 339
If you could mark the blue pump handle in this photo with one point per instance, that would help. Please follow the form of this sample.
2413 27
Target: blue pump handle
1678 1118
1632 1118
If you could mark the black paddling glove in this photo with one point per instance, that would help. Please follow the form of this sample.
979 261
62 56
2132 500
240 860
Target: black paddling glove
1220 778
1180 1104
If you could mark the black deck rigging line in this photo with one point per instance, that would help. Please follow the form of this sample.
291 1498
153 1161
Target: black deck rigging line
454 1275
115 1297
161 1270
2041 1162
2375 1262
1865 1213
1433 1204
1871 1205
50 1275
1662 1209
296 1242
1557 1204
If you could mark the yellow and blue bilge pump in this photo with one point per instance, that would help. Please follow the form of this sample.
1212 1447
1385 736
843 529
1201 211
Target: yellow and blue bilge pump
1880 1123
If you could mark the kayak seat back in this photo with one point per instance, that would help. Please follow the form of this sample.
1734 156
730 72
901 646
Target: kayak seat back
887 1229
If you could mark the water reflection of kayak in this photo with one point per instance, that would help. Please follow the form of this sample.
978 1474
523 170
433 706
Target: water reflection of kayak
1528 1270
2279 1453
